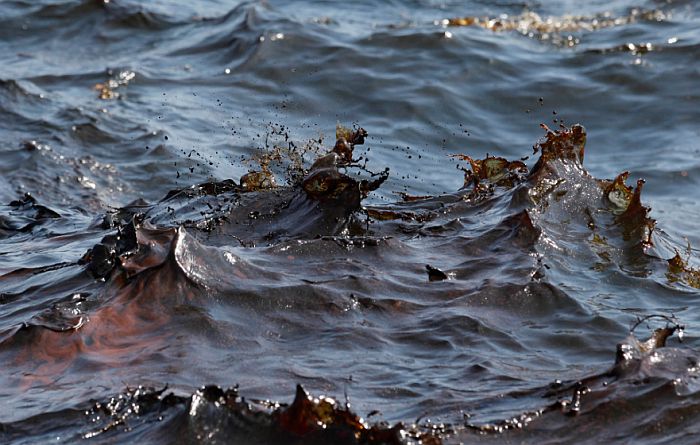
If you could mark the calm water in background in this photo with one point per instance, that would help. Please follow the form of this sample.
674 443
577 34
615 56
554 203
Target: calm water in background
198 88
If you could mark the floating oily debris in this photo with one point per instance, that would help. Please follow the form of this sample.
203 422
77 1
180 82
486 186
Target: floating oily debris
315 179
566 144
406 197
531 24
217 414
635 49
558 173
627 202
630 211
635 362
324 182
26 214
107 89
619 193
496 170
226 263
346 139
258 180
203 238
679 270
435 274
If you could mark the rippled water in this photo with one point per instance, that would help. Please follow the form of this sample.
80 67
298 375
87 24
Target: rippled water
462 299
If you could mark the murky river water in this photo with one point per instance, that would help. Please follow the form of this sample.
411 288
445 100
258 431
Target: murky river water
193 221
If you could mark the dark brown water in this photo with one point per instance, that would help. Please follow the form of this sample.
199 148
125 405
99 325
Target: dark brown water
179 251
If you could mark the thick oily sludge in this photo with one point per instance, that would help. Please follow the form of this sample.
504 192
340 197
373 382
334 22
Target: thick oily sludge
153 265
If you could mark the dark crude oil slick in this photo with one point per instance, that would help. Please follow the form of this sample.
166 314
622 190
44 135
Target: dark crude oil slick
349 222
